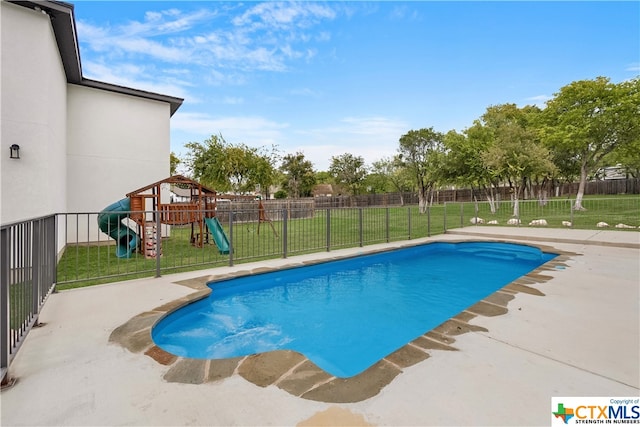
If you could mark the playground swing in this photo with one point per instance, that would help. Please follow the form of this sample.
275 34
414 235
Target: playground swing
262 217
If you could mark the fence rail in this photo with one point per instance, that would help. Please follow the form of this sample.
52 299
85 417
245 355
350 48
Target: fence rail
74 249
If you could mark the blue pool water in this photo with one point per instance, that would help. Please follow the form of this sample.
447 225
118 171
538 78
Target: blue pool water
344 315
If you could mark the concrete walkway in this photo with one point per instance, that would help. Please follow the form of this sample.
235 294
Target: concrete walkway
581 339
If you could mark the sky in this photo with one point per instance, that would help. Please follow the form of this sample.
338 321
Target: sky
329 78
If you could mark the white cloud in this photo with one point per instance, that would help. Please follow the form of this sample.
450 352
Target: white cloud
233 100
305 92
374 126
253 131
151 48
633 67
369 137
323 36
284 15
539 100
136 77
266 37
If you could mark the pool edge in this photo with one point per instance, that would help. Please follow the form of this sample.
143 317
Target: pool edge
297 375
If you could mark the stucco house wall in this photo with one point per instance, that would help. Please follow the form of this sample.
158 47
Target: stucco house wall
113 150
33 115
84 144
116 143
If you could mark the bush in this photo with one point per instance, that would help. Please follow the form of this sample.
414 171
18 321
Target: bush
280 194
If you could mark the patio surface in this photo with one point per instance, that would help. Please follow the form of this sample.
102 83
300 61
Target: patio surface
582 338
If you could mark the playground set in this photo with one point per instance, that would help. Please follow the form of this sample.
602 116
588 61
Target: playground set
199 211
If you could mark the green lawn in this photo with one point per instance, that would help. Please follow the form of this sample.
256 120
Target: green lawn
621 209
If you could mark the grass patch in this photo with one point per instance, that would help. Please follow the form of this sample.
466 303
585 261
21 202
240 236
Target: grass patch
619 210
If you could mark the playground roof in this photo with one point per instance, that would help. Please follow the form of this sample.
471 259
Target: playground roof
179 180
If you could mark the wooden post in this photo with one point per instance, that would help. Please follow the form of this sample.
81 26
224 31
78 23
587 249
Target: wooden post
262 217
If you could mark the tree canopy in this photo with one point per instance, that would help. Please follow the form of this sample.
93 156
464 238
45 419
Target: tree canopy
589 119
348 171
228 167
422 153
298 175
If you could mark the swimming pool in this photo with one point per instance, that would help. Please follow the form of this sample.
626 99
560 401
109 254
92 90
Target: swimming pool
344 315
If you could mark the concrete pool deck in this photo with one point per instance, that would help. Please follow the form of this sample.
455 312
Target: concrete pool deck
581 339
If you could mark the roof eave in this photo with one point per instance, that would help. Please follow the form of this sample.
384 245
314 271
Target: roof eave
63 23
64 28
173 101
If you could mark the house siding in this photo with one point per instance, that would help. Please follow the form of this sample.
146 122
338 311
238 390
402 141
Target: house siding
83 144
117 143
33 115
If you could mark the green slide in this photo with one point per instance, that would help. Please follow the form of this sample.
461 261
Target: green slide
222 242
109 221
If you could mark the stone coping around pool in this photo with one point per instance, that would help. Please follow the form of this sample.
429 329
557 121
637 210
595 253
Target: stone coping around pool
292 371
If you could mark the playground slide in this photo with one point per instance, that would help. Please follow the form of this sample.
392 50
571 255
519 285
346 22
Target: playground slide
222 242
109 221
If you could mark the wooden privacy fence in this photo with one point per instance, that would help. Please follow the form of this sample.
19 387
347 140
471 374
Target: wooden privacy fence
248 211
605 187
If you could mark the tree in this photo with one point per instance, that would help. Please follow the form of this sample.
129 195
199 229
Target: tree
516 156
299 176
502 134
174 161
589 119
463 164
628 157
349 171
422 153
263 172
389 174
228 167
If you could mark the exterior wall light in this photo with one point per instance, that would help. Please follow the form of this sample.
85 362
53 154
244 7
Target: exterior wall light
15 151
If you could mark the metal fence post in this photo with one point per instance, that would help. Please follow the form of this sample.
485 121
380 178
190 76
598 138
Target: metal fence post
428 221
475 211
54 252
328 229
230 237
285 223
158 242
5 275
409 222
571 212
36 267
461 214
360 227
387 228
445 217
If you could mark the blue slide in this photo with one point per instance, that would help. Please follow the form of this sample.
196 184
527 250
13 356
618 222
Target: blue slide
222 242
109 221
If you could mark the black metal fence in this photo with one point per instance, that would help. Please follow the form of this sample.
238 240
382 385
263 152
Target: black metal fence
239 233
28 276
248 232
